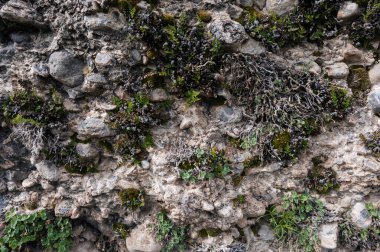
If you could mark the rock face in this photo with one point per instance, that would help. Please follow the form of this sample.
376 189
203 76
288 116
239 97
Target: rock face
374 100
280 7
93 127
360 216
337 71
21 12
348 11
113 21
226 30
328 235
65 68
374 75
48 171
93 83
142 240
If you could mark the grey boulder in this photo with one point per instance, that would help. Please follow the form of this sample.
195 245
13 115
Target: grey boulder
65 68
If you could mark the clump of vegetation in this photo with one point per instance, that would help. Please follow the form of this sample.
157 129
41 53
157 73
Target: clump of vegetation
297 220
209 232
187 58
310 20
65 154
204 164
38 228
27 107
372 142
132 119
173 237
239 200
367 28
132 198
361 239
320 178
121 230
283 106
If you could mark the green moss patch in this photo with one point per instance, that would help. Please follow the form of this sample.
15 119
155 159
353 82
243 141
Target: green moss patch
320 178
132 198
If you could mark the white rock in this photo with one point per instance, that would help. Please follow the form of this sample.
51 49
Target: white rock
280 7
158 95
142 239
145 164
207 206
226 30
103 59
186 123
87 150
107 22
374 75
374 99
348 11
328 235
48 171
226 211
64 208
360 216
93 127
338 70
251 47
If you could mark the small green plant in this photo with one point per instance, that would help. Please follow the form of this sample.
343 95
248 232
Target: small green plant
67 156
297 220
239 200
204 165
340 98
361 239
38 227
192 97
320 178
372 142
121 230
172 236
132 198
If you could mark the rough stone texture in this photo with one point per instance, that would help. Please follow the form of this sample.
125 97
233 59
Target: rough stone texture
360 216
64 208
280 7
348 11
65 68
112 21
328 235
337 71
48 171
22 12
226 30
93 83
93 127
374 75
141 239
87 150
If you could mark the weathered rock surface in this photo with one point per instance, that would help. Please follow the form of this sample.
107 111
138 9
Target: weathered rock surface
280 7
360 216
93 127
374 75
21 12
337 71
142 240
48 171
328 235
65 68
348 11
226 30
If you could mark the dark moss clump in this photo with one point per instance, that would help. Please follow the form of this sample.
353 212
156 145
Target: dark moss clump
132 198
320 178
26 107
283 106
186 58
121 230
361 239
204 164
67 156
367 28
372 142
209 232
311 20
132 119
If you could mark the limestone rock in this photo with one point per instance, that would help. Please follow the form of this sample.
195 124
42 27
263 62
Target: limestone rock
337 70
374 100
21 12
158 95
280 7
251 47
141 239
93 83
94 127
348 11
48 171
65 68
103 60
255 208
87 150
360 216
374 75
64 208
186 123
107 22
328 235
227 31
